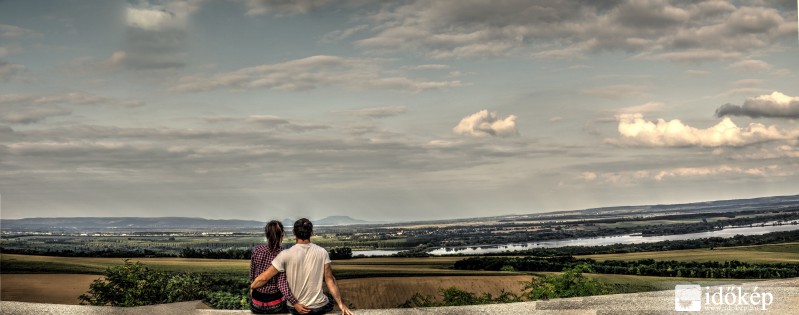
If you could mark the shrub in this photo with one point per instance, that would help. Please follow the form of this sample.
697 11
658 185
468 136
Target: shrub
338 253
570 283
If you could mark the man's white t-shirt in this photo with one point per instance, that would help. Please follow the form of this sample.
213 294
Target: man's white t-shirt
304 265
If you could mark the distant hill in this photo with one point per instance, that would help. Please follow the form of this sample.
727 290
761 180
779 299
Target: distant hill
339 220
162 223
125 223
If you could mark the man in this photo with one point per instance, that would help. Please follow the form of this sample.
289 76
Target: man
306 265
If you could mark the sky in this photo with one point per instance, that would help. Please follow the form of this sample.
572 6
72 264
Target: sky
392 110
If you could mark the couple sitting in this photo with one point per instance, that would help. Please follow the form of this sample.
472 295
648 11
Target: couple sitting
294 275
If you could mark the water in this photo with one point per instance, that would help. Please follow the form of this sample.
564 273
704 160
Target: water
595 241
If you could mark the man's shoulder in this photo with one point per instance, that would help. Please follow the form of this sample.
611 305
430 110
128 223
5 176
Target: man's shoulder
316 247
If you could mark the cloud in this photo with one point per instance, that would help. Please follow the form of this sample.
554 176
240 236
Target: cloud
379 112
9 71
309 73
156 35
715 171
636 131
11 31
749 65
485 123
640 109
618 91
280 7
31 116
69 98
677 31
279 123
775 104
697 73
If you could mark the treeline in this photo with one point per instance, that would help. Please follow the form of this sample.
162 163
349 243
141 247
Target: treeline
644 267
228 253
786 218
102 253
711 242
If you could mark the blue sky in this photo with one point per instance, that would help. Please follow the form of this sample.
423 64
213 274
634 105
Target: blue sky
392 110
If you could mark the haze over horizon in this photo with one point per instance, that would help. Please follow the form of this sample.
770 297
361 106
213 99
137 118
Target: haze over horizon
392 111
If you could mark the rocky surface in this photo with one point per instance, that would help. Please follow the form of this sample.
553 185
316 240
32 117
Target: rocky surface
785 295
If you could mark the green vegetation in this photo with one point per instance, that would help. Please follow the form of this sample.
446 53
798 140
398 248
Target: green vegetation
646 267
570 283
339 253
134 284
453 296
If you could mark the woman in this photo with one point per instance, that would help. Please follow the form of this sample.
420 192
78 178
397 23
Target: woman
270 298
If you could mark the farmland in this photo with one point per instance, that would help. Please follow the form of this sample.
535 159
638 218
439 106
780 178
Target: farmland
771 253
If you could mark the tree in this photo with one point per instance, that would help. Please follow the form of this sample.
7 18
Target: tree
338 253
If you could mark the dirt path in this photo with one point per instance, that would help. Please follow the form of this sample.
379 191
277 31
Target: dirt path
44 288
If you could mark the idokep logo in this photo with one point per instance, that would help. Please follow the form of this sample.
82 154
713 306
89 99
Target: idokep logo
687 298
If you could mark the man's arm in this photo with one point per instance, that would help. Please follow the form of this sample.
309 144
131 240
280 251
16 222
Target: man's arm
332 286
264 277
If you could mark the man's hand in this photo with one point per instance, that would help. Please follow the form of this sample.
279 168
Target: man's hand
301 308
345 310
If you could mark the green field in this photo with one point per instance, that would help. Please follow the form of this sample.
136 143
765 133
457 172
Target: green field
771 253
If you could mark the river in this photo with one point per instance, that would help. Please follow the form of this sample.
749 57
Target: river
592 241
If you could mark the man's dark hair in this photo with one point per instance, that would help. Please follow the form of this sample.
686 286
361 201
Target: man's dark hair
303 229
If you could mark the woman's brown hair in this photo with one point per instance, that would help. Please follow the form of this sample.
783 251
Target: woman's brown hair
274 234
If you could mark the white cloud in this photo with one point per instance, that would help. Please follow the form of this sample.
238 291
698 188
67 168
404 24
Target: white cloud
716 171
379 112
69 98
156 35
11 31
280 123
309 73
775 104
749 65
485 123
279 7
636 131
640 109
34 115
677 31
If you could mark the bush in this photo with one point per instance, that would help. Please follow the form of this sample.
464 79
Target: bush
453 296
133 284
570 283
228 301
338 253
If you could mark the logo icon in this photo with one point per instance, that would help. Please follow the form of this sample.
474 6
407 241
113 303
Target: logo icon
687 298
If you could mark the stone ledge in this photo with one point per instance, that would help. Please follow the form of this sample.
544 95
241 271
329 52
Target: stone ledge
785 292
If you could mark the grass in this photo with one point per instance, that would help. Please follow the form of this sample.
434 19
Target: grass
772 253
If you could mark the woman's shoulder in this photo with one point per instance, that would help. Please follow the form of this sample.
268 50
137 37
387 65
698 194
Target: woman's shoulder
260 249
